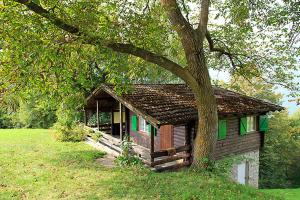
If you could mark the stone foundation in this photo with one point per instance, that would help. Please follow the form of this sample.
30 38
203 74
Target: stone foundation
251 160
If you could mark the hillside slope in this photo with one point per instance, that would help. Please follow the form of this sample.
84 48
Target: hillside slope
35 166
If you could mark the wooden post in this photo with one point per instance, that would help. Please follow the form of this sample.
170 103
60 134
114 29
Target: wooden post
112 121
85 116
121 121
127 126
98 124
188 140
152 143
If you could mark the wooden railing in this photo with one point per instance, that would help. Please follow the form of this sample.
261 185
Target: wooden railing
165 159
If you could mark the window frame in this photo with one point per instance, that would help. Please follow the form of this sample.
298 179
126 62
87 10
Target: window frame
141 119
251 123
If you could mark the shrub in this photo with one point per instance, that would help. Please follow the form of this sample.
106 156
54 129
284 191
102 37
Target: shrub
96 135
127 157
74 133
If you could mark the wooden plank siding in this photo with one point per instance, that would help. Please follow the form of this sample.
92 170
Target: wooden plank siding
235 143
166 137
179 136
143 139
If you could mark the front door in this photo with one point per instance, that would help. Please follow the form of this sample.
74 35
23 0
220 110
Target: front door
243 173
166 137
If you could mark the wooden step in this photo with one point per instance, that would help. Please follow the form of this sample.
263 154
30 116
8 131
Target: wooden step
170 159
171 167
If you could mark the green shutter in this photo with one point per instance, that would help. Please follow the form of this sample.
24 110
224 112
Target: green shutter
134 122
149 128
222 129
263 123
243 126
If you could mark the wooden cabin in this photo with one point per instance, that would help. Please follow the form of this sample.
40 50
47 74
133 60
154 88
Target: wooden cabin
161 120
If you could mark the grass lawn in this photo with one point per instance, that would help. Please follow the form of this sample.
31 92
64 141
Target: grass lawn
35 166
289 194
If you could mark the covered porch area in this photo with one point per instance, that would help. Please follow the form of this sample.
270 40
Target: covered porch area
109 116
117 118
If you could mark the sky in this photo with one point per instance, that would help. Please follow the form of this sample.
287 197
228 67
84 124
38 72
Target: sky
291 106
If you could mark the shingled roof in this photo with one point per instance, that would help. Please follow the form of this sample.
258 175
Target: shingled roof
175 103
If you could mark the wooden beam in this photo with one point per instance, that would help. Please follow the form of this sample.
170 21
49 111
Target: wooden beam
85 117
152 143
170 159
112 121
172 167
188 138
148 118
127 120
121 121
98 123
166 152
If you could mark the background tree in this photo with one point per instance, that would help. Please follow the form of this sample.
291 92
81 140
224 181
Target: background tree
52 43
279 160
280 156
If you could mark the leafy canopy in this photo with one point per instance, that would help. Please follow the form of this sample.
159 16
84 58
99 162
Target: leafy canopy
260 38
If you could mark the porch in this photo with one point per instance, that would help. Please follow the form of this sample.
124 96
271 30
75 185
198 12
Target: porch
112 117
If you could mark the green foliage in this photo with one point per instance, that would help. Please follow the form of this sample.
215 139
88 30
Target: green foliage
104 117
75 133
95 135
279 163
5 120
221 167
254 87
31 115
127 157
27 111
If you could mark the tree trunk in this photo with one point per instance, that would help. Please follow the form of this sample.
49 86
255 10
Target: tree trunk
205 141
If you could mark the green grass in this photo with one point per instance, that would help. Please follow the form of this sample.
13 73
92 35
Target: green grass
289 194
35 166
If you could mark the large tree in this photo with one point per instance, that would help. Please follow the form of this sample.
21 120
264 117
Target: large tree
56 41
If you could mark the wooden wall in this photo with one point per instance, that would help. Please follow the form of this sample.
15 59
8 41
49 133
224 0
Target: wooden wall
235 143
179 136
143 139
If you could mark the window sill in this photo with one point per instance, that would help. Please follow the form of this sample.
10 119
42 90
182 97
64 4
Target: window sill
143 132
250 132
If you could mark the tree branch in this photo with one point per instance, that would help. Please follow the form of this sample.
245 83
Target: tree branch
222 51
180 24
150 57
117 47
202 27
51 17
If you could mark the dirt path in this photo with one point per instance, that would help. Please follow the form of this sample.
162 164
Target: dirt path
107 161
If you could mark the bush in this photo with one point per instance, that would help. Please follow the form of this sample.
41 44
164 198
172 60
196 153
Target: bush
75 133
95 135
5 120
127 157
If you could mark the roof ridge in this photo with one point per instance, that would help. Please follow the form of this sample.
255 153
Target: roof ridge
251 97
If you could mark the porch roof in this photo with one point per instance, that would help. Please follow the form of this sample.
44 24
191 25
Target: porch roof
175 103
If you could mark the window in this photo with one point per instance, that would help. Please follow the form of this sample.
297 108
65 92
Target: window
142 125
247 124
251 123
